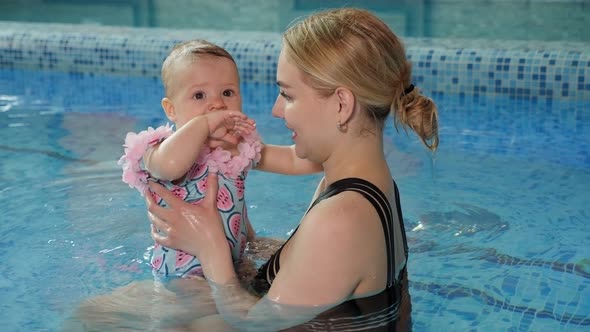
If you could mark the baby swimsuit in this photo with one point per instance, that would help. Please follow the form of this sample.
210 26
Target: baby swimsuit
232 171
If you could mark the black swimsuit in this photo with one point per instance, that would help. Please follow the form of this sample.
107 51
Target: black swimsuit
386 311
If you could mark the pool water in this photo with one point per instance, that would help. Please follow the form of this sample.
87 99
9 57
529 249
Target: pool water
496 219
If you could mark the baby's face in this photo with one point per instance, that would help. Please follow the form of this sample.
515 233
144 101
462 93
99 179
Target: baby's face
208 84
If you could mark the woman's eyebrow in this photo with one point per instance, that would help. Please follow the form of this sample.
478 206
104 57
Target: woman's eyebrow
283 85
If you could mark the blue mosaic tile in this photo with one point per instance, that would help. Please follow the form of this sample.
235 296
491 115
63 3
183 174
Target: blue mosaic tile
529 70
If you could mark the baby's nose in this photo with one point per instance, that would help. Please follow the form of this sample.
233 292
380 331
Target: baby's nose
217 104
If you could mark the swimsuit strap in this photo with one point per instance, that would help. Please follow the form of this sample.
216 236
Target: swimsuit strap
379 201
398 207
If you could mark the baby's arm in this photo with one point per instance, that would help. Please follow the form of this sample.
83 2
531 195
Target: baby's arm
282 159
172 158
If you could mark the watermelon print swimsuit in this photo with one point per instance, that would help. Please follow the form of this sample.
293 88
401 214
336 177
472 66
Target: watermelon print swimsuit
232 171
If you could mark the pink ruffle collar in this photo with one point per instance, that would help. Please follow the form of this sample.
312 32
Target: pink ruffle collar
217 160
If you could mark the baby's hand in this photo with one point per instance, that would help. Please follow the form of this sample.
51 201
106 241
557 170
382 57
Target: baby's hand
228 126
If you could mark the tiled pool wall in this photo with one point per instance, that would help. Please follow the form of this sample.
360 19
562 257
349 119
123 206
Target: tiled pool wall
524 70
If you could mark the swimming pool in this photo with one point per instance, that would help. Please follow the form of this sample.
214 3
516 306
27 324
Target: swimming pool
496 220
502 204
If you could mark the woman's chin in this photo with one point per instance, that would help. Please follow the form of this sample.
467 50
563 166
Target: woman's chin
300 154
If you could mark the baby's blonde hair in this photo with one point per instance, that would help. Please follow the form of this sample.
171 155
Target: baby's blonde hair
190 50
353 48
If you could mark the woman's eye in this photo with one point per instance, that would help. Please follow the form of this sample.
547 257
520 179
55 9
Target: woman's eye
286 96
228 93
199 95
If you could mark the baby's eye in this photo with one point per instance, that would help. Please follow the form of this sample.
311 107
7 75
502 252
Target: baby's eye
228 93
199 95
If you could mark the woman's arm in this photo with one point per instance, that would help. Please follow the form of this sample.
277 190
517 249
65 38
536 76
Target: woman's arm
329 255
282 159
172 158
322 267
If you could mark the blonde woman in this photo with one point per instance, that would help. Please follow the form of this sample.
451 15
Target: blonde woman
341 73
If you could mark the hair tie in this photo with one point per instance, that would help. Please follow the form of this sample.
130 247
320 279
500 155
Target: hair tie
408 90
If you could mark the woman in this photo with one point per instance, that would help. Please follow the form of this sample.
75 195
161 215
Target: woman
340 73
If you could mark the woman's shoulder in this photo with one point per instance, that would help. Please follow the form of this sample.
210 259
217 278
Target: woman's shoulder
342 216
350 198
340 230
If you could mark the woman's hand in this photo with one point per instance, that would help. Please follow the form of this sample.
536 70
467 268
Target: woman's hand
194 229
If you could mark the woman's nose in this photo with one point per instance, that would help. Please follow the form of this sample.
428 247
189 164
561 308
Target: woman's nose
278 110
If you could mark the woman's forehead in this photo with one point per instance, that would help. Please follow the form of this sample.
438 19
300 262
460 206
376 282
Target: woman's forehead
288 75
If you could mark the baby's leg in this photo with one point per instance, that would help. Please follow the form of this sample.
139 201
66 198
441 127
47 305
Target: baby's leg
145 306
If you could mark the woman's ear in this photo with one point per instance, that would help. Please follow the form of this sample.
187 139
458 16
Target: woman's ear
168 107
347 104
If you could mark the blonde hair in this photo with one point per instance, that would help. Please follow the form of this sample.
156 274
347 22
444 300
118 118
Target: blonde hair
190 50
355 49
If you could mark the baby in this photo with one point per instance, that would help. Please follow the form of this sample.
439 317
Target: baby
202 98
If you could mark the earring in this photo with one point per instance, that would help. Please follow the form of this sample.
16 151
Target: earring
339 125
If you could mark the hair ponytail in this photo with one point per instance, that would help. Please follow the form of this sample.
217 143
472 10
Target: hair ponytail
419 113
